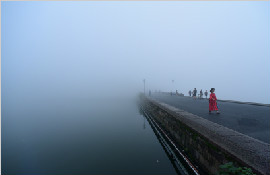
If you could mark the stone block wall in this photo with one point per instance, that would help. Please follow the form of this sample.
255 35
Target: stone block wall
208 144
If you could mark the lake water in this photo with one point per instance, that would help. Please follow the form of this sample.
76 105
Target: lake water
79 136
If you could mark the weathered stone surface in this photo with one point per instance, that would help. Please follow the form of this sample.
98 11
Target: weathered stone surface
212 144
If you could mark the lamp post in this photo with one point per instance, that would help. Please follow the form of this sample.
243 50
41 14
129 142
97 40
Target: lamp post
144 86
172 86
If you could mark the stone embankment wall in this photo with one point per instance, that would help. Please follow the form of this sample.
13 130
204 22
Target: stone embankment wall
208 144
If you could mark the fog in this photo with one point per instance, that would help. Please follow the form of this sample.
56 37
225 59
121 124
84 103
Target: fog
82 49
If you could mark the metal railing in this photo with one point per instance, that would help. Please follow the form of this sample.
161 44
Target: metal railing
167 141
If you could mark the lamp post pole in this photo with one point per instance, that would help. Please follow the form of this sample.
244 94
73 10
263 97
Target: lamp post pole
144 86
172 86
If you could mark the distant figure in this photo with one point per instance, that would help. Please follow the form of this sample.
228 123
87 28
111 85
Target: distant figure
194 93
149 92
189 92
213 101
206 94
201 94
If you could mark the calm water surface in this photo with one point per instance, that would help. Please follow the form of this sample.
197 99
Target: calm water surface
79 136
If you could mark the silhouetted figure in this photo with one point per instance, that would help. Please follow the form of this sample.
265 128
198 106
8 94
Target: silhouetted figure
189 92
206 94
201 94
213 101
194 93
149 92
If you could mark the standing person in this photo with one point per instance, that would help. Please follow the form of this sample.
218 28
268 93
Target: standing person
194 93
189 92
149 92
213 101
206 94
201 94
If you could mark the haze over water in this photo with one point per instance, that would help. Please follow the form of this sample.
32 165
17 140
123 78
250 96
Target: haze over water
79 136
72 48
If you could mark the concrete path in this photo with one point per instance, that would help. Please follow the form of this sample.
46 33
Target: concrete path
251 120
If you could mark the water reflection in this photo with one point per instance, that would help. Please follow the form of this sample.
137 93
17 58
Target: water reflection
79 136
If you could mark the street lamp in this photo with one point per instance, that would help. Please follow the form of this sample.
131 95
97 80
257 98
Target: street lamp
144 86
172 86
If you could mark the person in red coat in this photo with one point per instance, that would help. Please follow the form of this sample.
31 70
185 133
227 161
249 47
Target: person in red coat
213 101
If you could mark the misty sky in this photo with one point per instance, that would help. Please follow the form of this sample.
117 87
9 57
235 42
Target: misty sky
84 48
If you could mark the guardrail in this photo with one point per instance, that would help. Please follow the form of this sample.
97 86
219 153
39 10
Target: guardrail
248 103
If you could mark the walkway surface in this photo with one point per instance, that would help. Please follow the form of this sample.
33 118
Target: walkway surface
251 120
